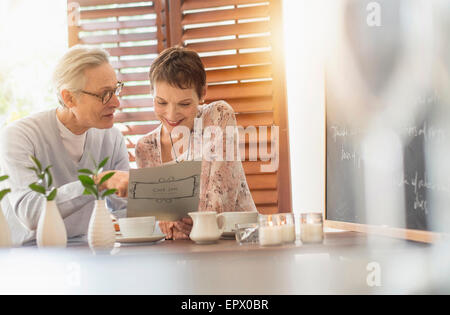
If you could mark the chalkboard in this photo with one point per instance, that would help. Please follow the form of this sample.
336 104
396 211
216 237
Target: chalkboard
388 115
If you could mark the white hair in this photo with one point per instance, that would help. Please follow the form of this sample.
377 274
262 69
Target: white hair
69 73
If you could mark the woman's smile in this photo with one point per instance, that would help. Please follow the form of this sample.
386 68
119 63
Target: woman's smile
173 123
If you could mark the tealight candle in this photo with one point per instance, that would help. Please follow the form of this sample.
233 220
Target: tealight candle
311 228
287 227
270 232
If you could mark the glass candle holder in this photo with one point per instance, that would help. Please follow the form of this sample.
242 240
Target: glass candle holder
287 224
311 228
269 230
246 233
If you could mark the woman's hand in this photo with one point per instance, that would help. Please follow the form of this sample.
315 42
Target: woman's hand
176 230
119 181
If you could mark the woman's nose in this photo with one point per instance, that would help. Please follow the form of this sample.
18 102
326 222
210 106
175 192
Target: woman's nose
172 112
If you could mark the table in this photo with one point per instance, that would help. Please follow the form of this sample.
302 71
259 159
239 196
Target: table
347 263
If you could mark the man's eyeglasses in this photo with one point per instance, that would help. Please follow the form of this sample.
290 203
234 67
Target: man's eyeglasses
107 95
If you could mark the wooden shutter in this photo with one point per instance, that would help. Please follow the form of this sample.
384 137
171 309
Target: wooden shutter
240 42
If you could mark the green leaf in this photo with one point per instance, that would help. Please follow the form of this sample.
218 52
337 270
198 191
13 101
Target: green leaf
103 163
4 178
86 180
36 162
49 178
86 171
4 192
106 177
91 190
109 192
52 195
37 188
33 169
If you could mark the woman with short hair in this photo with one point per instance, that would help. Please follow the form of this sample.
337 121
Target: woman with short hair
178 85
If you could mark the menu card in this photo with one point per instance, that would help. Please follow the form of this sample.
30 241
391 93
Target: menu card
167 192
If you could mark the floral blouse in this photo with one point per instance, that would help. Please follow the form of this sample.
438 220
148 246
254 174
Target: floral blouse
223 186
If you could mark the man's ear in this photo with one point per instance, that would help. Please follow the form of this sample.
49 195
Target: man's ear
68 98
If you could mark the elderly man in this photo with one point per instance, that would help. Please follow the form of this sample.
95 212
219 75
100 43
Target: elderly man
68 138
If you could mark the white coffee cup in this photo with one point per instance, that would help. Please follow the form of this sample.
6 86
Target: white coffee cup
238 217
137 227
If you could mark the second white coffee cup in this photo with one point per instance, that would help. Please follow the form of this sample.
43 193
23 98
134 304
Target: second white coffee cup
137 227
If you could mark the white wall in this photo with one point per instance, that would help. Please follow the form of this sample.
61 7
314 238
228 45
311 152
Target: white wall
304 41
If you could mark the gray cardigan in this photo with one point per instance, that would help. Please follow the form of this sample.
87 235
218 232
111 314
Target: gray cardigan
38 135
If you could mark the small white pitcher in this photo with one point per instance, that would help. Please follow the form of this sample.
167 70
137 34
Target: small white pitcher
207 228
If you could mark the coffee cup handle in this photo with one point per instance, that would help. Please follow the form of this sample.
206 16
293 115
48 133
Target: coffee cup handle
221 222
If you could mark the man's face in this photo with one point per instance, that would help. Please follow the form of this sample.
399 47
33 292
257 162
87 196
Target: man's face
88 109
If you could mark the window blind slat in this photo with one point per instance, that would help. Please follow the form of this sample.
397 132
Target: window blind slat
124 77
104 13
135 90
226 15
263 119
145 62
127 51
90 27
261 197
134 116
267 209
226 30
244 90
202 4
238 60
136 103
252 168
245 73
118 38
265 181
255 104
242 43
86 3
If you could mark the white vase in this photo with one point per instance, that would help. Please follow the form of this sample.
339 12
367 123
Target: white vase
51 230
5 233
101 232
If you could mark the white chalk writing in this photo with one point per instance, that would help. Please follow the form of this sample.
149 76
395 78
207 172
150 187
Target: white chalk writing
351 156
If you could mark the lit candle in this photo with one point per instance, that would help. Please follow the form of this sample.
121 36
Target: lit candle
270 232
288 233
287 227
311 228
311 233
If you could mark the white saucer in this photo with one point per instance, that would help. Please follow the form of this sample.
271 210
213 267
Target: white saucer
145 239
